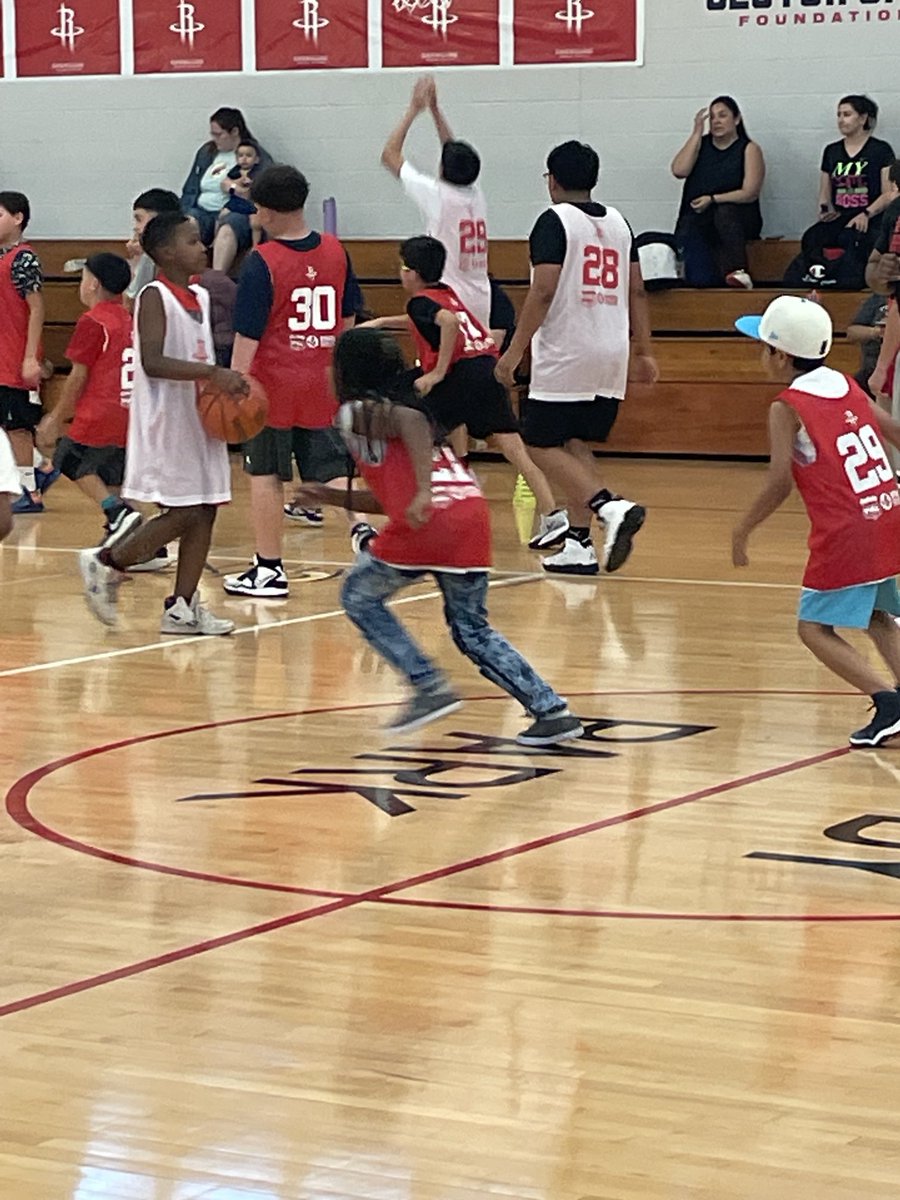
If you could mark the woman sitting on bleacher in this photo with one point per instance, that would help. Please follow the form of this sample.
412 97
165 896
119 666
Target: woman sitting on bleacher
723 173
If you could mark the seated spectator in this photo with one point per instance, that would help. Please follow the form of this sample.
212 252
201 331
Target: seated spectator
867 331
236 187
854 184
723 173
201 196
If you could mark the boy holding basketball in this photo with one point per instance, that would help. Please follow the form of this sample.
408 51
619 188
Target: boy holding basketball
92 452
171 460
826 436
297 292
438 524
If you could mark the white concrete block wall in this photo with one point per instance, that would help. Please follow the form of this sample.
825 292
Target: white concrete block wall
83 149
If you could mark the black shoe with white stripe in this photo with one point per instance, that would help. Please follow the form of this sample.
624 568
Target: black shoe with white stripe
885 723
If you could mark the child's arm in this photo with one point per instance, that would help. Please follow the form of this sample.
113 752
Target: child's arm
448 323
414 430
152 332
783 426
50 429
320 493
397 324
31 367
887 426
890 348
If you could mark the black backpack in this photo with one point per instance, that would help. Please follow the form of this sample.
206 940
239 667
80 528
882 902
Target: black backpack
840 266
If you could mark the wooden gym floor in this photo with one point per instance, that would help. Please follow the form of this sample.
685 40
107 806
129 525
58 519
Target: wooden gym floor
256 951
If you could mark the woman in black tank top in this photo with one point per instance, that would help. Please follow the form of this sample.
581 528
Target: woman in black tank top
723 173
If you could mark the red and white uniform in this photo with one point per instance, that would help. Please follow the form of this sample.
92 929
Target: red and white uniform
472 341
846 481
304 323
457 535
102 342
581 349
14 314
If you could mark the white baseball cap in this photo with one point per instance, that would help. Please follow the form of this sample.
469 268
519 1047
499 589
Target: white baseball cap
797 326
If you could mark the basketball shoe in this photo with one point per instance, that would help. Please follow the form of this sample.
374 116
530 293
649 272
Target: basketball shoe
559 726
101 586
259 581
621 519
193 619
305 516
884 724
576 557
551 530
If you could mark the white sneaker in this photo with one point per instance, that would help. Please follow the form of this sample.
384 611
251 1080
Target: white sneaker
551 530
159 562
265 583
739 279
101 586
360 536
193 620
575 558
622 519
208 623
304 516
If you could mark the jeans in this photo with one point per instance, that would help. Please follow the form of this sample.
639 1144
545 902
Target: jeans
371 582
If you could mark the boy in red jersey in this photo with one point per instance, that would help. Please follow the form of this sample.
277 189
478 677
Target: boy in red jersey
297 292
21 325
457 384
96 395
825 437
438 524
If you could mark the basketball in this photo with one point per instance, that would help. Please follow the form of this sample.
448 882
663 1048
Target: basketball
232 419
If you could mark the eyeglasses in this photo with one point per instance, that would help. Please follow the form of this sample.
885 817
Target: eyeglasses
546 175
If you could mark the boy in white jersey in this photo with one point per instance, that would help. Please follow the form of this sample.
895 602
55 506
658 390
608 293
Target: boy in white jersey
10 486
452 206
171 460
586 311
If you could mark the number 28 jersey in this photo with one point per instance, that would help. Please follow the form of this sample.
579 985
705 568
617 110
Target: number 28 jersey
305 321
847 483
581 349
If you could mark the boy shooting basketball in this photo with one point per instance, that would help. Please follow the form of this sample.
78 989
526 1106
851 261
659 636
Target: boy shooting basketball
825 436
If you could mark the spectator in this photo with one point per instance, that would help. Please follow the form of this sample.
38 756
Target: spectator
201 196
723 173
854 184
867 331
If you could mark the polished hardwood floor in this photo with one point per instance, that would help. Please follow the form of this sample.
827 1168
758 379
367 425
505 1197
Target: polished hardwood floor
255 950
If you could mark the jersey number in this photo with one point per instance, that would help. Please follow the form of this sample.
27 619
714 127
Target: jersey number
473 339
472 237
126 378
864 450
316 309
600 268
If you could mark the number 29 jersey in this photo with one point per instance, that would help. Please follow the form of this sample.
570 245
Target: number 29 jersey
305 321
847 483
581 349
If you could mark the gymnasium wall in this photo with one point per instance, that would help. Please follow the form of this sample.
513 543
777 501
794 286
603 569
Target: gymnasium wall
82 149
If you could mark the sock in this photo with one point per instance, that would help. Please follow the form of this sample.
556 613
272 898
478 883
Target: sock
111 504
582 533
272 563
27 479
169 602
602 497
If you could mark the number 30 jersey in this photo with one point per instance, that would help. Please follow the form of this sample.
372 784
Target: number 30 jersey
304 323
581 349
847 483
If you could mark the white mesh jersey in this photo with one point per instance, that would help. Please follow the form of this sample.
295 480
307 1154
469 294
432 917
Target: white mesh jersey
170 458
456 216
581 349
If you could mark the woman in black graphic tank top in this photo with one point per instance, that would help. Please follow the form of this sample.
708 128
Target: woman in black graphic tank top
723 173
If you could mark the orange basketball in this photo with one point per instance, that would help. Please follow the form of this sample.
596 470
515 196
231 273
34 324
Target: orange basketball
232 418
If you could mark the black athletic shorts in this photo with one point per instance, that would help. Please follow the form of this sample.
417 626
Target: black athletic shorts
75 460
18 410
320 454
548 423
471 396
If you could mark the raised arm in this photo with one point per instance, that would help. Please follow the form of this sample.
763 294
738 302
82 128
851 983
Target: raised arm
686 158
392 154
444 132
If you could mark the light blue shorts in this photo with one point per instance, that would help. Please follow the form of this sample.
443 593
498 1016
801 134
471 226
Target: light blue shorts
850 607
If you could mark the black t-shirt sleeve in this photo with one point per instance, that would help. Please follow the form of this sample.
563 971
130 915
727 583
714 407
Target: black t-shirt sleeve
547 243
352 299
885 155
829 155
423 311
255 297
890 227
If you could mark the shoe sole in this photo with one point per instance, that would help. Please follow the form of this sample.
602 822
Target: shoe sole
185 632
129 522
409 726
102 610
153 565
304 521
587 569
548 540
257 593
621 548
569 736
876 738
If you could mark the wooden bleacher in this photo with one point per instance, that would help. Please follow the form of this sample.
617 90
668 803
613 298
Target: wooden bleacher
712 398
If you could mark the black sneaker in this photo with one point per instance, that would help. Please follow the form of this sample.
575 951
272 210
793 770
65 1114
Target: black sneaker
423 708
547 731
360 536
885 723
121 522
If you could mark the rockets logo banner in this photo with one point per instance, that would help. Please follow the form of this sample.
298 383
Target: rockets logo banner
186 35
440 33
294 35
67 37
575 31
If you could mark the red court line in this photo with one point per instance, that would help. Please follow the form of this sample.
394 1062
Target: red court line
634 914
375 894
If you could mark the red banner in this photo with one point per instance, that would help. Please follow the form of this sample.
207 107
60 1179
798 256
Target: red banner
575 31
440 33
293 35
186 35
67 37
